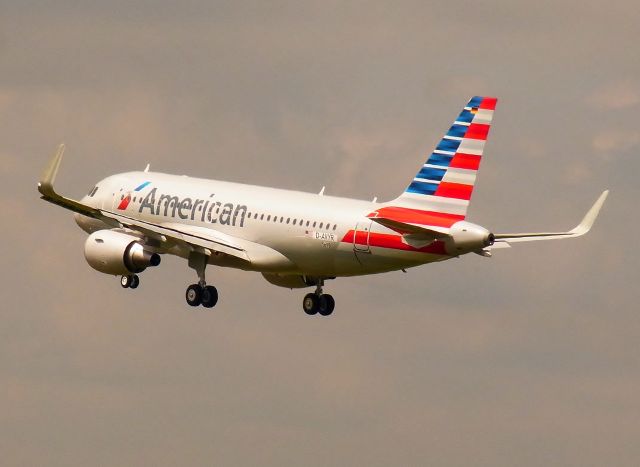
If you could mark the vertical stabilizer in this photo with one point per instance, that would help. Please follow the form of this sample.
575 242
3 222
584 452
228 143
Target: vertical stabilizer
444 183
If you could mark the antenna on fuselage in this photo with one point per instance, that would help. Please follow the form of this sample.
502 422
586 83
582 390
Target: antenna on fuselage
322 191
146 169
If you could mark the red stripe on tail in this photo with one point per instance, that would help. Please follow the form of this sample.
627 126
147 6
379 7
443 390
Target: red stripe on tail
489 103
465 161
477 131
454 190
417 216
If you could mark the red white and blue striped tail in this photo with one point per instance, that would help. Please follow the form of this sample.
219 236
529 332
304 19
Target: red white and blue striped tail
445 182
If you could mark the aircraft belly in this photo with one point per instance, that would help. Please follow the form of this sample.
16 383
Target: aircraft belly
313 257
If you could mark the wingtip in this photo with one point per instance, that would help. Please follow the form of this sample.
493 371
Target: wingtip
45 185
591 216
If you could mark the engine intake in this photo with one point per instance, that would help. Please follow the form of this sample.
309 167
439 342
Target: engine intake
118 253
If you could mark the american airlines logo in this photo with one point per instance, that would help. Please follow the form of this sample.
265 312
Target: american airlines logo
204 210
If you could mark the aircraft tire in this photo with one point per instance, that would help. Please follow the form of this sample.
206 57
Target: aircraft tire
310 304
209 296
125 281
326 304
135 281
194 295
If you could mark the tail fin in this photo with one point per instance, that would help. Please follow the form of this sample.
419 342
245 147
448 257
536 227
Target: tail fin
445 182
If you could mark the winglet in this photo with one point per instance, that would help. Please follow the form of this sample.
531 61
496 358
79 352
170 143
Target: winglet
582 228
587 222
45 185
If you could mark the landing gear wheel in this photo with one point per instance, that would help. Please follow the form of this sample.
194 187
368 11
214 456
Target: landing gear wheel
125 281
209 296
194 295
135 281
310 304
326 304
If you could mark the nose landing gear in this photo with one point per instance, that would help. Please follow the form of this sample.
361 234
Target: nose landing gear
318 302
130 282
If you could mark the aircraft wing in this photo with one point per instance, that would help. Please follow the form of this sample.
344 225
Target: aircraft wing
582 228
195 236
200 237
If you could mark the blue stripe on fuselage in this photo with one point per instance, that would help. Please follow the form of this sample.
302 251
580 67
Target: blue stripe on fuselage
142 186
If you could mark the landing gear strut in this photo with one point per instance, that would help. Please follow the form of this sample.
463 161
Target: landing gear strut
318 302
200 293
130 282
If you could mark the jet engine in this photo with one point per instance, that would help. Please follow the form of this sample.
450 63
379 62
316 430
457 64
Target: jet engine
118 253
468 237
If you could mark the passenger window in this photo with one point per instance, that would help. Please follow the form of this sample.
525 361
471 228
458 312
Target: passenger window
307 223
314 223
288 219
335 226
261 216
268 217
320 224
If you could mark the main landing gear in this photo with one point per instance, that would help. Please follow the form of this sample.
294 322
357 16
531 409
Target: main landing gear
200 293
206 296
318 302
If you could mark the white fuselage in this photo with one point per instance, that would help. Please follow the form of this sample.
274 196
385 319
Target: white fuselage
317 235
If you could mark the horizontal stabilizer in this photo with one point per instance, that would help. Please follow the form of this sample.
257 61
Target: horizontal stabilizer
414 235
582 228
406 228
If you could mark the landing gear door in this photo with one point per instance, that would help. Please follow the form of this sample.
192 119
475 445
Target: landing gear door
361 236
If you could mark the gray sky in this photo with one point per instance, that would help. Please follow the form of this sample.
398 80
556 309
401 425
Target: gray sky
530 358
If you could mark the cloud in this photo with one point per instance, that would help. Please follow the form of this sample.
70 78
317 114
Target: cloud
616 95
609 141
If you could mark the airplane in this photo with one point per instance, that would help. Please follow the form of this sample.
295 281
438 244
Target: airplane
295 239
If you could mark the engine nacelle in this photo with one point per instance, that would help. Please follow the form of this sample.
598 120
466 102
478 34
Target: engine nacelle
118 253
468 237
289 281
